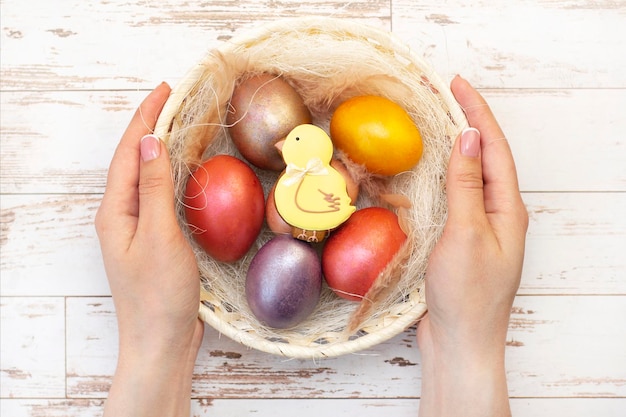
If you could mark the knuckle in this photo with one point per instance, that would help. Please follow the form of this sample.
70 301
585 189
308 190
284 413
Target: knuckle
100 221
517 212
470 180
479 110
150 185
522 216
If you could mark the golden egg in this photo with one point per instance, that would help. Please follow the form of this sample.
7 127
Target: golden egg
263 110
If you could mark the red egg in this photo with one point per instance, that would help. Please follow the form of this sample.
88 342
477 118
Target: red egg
224 207
274 220
358 251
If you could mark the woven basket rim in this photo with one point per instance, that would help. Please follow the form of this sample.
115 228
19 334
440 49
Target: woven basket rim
184 86
393 325
314 351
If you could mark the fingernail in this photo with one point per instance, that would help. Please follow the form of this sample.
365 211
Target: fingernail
470 142
150 148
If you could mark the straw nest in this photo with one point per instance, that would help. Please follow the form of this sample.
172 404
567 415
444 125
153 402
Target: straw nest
327 61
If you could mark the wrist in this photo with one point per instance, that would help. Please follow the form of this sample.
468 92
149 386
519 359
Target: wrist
462 375
477 338
153 377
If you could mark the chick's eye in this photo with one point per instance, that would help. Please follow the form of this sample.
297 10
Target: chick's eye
297 138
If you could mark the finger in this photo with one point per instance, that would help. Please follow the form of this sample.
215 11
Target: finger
123 175
503 204
499 173
464 184
120 203
475 107
156 190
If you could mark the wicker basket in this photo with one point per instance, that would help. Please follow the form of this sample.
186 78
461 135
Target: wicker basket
327 61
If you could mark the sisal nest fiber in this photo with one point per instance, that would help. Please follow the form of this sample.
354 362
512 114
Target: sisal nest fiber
327 61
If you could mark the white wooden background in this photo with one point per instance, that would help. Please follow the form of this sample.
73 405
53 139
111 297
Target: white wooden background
72 73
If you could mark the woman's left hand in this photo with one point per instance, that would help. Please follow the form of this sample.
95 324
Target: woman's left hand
152 273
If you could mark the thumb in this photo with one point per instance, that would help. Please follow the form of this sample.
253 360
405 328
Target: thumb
156 189
464 183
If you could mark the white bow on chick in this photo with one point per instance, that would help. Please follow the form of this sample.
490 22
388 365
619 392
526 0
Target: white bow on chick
311 195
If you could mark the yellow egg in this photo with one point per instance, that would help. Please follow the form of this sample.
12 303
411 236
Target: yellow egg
377 133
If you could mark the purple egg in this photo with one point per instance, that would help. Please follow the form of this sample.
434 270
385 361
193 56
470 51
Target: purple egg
284 282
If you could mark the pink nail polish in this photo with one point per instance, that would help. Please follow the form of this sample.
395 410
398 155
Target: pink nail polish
150 148
470 142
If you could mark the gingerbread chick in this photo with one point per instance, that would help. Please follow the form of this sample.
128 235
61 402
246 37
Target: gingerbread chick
311 195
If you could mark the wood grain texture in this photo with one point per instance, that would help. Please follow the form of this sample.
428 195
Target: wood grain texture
575 245
540 356
61 142
226 369
576 407
572 346
519 44
560 141
565 139
71 75
49 246
69 45
32 348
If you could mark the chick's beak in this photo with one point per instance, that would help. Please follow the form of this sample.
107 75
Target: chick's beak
279 145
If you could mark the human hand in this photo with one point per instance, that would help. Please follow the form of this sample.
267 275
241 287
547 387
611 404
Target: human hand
152 273
474 271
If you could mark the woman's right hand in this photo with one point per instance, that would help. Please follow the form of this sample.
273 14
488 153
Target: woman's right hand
474 272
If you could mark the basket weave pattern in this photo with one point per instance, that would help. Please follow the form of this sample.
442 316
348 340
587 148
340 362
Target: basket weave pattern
327 61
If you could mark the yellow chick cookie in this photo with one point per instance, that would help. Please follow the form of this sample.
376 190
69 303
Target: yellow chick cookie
311 195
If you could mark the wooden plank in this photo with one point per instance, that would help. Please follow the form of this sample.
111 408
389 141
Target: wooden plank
560 142
61 142
90 351
576 407
519 44
571 407
49 246
567 346
552 74
226 369
565 140
32 347
61 46
51 408
555 349
575 245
